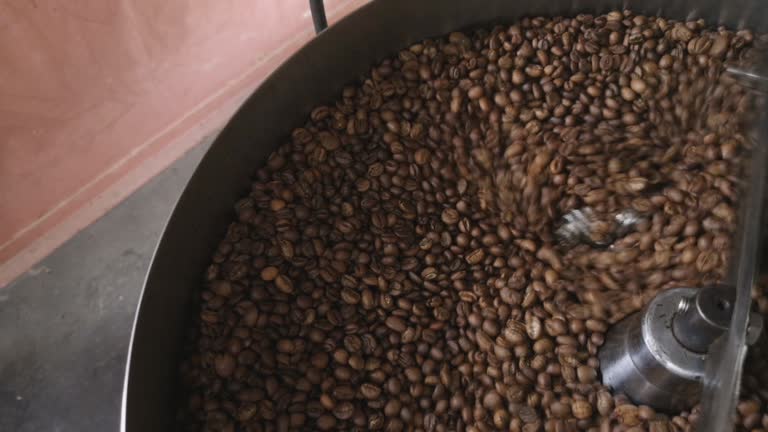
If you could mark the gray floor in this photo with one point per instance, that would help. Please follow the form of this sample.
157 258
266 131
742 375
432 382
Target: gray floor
65 324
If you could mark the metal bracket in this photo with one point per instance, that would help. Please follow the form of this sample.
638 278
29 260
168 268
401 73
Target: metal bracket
317 9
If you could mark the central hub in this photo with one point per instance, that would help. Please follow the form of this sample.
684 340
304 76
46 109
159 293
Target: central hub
657 357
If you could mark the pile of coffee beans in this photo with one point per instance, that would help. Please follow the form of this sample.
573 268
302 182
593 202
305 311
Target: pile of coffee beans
395 267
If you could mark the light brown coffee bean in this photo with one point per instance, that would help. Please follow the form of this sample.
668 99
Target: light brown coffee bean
269 273
581 409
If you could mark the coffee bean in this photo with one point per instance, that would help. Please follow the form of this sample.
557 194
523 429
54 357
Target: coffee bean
353 343
586 374
560 410
646 413
350 296
543 346
370 391
327 401
604 403
421 156
286 346
284 284
225 365
581 409
396 323
222 288
269 273
343 392
450 216
343 410
276 205
492 400
638 86
326 422
475 256
747 407
627 414
555 327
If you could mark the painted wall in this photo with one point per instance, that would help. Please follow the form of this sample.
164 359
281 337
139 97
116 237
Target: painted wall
97 96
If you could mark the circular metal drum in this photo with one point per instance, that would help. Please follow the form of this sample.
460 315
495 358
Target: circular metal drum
283 101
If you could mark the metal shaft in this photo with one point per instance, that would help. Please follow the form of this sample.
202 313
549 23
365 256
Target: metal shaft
726 360
658 356
642 358
701 319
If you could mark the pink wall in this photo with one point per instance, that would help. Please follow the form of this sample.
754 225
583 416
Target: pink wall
97 96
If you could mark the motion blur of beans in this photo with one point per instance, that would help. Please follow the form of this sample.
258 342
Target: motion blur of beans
395 265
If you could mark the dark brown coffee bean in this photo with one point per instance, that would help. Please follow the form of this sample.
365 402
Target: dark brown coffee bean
422 156
450 216
326 422
225 365
396 324
393 407
370 391
284 284
343 410
286 346
475 257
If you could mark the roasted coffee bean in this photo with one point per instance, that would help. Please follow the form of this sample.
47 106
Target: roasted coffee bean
395 264
581 409
604 403
225 365
396 323
326 422
370 391
284 284
344 410
269 273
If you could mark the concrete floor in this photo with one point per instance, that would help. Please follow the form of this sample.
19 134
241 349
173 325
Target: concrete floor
65 324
